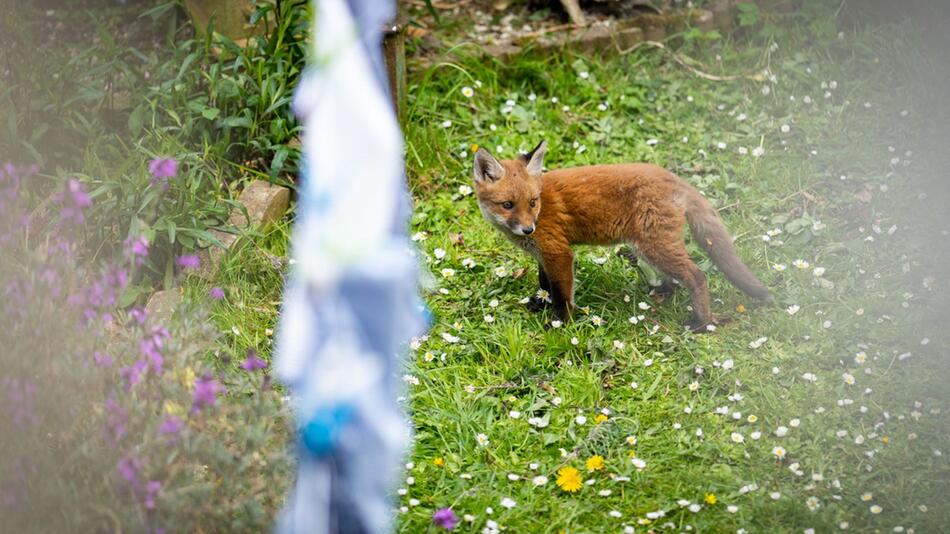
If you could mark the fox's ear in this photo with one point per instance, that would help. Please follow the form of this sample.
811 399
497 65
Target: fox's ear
534 160
487 167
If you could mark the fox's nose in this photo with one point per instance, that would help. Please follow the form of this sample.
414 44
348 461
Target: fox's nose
528 230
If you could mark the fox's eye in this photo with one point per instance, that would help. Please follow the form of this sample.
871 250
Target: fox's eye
507 205
534 202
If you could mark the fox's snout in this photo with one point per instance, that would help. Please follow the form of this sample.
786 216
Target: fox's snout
522 230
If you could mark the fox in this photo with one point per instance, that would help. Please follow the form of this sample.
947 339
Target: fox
638 204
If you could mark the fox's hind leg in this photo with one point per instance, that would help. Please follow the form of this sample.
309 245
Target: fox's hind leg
670 256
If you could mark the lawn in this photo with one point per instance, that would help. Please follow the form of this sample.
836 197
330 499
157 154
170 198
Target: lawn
824 410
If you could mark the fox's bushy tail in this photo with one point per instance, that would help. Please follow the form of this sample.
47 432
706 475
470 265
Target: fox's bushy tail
712 235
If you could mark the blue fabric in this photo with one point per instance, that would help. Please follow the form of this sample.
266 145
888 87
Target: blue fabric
347 316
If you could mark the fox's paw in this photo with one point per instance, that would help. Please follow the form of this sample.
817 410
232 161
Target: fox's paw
708 327
536 304
662 292
629 254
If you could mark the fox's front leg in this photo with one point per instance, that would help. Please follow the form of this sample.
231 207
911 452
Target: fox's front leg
539 302
558 267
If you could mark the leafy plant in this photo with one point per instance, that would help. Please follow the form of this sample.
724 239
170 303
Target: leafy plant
114 420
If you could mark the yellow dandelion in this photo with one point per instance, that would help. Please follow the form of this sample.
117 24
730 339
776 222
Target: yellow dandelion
740 308
474 147
885 440
172 408
595 463
569 479
710 498
187 377
439 462
600 418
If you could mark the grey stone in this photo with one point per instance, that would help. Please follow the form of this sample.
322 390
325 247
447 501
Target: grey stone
161 305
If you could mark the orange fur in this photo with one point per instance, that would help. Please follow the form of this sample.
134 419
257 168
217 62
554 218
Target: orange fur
638 203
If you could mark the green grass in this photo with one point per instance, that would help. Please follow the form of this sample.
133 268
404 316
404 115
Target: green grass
519 362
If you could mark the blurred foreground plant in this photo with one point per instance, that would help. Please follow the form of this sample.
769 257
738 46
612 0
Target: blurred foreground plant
111 419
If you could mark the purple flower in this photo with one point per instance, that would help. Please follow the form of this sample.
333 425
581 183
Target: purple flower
188 261
216 293
252 362
445 518
115 423
136 249
102 359
151 490
139 314
133 374
20 393
206 392
129 469
74 201
171 426
162 168
151 347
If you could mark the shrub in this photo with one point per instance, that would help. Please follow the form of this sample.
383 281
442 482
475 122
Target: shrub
113 420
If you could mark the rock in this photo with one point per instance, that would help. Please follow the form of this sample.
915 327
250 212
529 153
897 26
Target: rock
628 37
265 203
703 19
231 17
722 14
591 39
502 51
162 305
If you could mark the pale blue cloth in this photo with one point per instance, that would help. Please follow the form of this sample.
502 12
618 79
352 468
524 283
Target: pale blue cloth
351 303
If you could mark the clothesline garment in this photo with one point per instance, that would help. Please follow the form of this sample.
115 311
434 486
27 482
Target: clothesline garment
351 302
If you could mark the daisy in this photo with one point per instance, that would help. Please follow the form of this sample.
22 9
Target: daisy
539 480
508 503
501 272
448 273
468 263
875 509
449 338
779 452
482 440
813 503
737 437
468 92
848 378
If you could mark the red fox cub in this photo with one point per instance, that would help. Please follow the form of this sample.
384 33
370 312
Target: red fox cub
639 204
